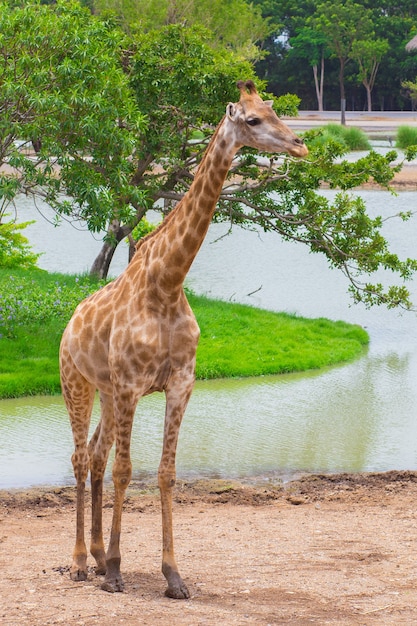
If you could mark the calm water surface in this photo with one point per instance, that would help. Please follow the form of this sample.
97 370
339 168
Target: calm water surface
362 416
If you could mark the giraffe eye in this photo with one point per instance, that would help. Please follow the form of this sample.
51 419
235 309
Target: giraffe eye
253 121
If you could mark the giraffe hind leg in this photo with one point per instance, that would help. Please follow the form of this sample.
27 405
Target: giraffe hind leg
79 397
98 449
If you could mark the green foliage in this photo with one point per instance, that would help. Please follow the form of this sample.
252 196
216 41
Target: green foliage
178 77
309 44
287 105
28 298
142 229
62 83
15 250
410 88
287 203
236 24
236 340
368 53
350 137
355 138
406 137
341 22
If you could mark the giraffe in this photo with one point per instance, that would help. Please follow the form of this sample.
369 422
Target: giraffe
138 335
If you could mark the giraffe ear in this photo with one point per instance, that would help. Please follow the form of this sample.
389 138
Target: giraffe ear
269 102
231 111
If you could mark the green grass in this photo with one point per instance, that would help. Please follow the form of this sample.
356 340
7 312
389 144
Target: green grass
236 340
351 137
406 137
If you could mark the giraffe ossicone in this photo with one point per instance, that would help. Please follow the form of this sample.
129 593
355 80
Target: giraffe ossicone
138 335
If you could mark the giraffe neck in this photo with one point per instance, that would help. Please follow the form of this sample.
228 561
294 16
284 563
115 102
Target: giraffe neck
172 248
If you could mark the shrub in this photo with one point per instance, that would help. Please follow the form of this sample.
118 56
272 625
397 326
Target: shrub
350 137
406 136
15 250
355 138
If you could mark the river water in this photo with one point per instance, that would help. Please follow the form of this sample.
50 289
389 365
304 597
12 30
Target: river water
362 416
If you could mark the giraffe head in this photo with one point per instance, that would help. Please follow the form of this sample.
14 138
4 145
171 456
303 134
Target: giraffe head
256 125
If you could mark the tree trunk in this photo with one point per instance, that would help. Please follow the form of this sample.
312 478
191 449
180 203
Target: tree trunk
322 83
319 87
101 264
369 84
343 112
342 92
368 97
115 233
132 247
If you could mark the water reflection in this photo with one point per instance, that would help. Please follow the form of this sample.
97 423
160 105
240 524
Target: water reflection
361 416
342 419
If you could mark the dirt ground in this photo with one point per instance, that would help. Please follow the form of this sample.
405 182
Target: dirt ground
406 179
334 549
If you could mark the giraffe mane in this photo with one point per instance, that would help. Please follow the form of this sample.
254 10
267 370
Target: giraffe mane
246 88
165 222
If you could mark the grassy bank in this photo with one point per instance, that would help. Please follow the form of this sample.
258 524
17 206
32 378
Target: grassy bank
236 340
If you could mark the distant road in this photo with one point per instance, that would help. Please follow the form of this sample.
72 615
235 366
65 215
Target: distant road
376 121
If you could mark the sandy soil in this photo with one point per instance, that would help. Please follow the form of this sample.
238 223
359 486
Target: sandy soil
336 549
406 179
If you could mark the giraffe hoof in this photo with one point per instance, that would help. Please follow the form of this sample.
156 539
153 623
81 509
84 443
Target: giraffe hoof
78 575
179 592
177 588
113 586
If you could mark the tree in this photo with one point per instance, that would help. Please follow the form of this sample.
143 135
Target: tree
182 85
285 72
342 23
62 84
368 54
411 89
123 124
234 24
311 45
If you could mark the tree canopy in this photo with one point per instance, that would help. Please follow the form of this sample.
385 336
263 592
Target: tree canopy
234 24
120 123
342 23
63 89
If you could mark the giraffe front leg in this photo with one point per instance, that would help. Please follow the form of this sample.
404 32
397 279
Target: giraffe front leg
113 581
177 396
97 543
177 588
